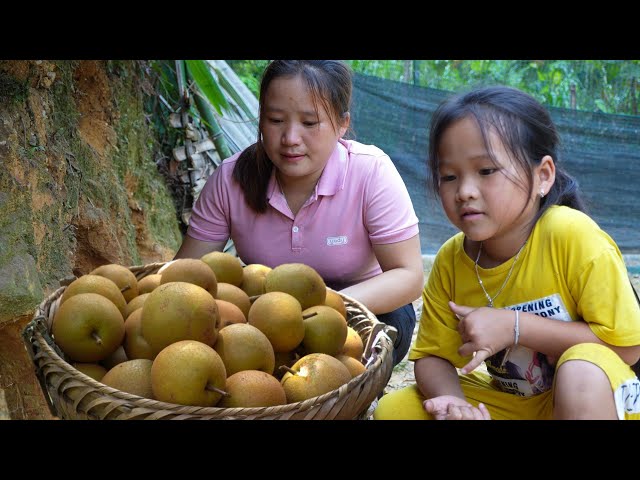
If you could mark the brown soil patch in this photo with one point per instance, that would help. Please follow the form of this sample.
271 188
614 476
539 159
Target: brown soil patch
94 102
23 396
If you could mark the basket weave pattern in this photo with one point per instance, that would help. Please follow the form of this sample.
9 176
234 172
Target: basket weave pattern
75 396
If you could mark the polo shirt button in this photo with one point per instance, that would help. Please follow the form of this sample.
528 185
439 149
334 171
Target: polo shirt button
295 229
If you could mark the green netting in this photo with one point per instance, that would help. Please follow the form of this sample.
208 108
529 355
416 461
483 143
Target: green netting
601 151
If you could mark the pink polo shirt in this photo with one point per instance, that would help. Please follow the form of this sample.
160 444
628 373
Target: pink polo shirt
359 200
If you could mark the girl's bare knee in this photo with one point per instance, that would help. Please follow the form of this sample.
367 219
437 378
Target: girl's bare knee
582 391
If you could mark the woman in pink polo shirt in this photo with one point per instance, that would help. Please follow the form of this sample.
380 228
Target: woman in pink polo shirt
303 194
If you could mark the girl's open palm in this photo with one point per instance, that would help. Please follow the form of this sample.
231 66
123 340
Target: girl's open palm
450 407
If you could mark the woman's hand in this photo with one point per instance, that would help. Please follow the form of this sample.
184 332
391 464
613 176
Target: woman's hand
449 407
484 331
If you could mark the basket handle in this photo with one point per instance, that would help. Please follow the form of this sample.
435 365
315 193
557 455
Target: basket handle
379 328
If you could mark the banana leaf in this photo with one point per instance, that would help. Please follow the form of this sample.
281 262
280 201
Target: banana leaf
208 84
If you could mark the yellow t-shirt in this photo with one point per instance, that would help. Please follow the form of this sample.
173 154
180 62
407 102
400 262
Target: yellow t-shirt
570 270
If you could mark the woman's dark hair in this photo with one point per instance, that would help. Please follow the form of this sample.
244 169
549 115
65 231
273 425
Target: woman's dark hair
525 128
330 84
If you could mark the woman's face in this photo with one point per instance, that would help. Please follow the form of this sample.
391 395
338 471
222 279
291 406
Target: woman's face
298 140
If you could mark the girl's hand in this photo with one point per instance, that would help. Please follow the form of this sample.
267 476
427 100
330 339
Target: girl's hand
449 407
484 331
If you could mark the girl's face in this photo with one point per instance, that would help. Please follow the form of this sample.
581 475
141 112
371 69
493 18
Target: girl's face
480 197
298 140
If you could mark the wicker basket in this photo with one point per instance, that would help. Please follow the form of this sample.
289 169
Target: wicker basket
73 395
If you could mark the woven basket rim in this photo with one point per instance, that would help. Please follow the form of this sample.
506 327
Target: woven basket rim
37 331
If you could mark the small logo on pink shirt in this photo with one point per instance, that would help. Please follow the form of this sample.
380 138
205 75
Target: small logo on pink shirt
333 241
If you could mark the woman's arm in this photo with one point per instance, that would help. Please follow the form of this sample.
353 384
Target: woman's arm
399 283
192 248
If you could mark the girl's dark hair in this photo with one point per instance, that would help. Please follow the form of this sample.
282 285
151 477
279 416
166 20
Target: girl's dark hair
525 129
330 84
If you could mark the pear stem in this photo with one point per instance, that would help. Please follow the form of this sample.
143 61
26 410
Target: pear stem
95 336
309 315
290 370
125 288
253 298
211 388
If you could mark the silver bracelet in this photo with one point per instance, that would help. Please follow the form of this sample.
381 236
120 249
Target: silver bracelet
516 334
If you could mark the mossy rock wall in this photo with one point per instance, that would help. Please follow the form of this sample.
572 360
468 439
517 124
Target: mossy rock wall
79 186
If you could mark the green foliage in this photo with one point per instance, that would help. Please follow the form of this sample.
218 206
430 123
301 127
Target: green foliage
250 72
610 86
163 103
203 75
599 85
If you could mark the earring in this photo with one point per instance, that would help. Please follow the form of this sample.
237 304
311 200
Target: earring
542 193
